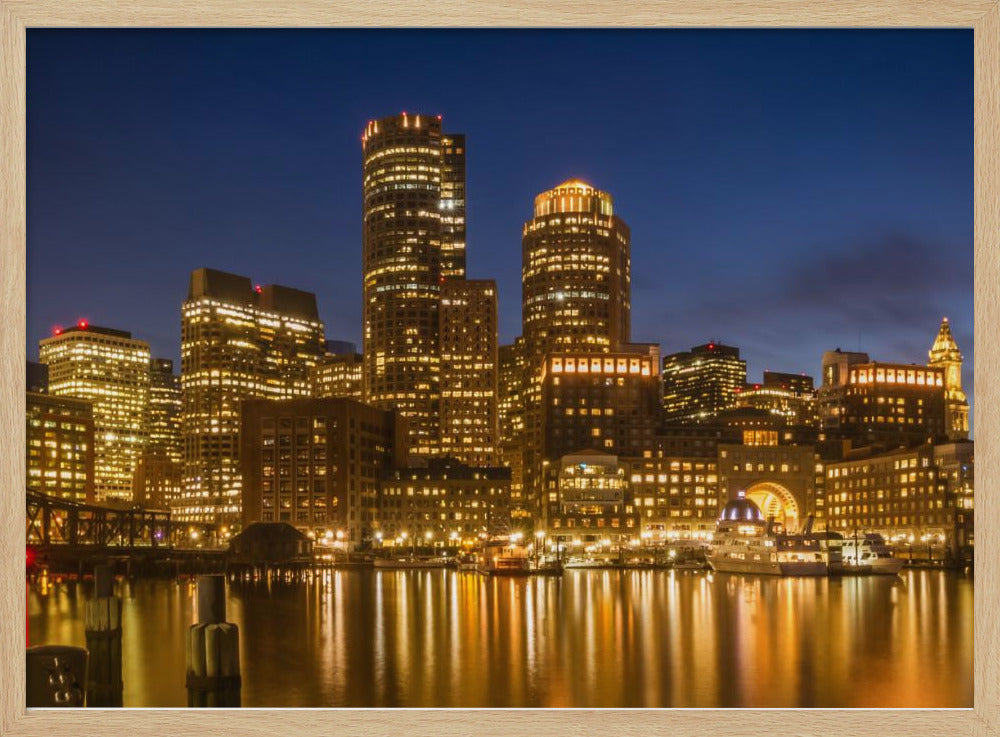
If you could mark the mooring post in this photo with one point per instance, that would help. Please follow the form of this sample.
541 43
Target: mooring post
213 652
56 676
103 623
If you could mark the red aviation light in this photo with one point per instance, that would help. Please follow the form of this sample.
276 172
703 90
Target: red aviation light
711 346
258 288
57 330
82 324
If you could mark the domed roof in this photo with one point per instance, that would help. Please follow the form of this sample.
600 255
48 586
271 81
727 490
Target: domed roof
741 509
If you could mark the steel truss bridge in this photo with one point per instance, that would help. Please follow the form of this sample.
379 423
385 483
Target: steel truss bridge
53 521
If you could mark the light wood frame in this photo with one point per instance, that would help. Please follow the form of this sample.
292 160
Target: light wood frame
16 15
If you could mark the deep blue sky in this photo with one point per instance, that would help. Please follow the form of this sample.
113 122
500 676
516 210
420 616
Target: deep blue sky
788 192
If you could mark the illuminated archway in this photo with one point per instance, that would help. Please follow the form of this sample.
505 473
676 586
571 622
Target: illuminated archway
774 500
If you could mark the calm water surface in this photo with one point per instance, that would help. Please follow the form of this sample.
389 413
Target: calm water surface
587 639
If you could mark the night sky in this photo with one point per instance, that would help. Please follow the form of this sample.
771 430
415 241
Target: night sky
788 192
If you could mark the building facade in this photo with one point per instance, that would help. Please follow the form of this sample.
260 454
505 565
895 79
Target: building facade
468 349
238 341
60 446
443 502
893 404
700 383
110 369
917 498
338 375
790 398
317 464
511 422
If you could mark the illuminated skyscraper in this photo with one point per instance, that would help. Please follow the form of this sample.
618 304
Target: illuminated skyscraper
576 282
238 342
157 480
944 354
452 206
510 421
402 261
414 243
110 369
468 334
701 382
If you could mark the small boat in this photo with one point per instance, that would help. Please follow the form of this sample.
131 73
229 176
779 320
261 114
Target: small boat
594 563
870 552
408 563
467 562
504 558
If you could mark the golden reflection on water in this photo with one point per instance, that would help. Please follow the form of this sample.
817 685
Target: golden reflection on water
587 639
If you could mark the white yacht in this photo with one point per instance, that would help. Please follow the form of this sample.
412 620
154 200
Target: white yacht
870 551
745 543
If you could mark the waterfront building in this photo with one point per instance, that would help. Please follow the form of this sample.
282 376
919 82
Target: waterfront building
893 404
944 354
317 464
110 369
588 502
786 481
700 383
468 349
338 375
790 398
443 502
575 298
920 498
675 483
238 341
60 446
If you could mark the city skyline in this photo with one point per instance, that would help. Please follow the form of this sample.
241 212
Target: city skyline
841 118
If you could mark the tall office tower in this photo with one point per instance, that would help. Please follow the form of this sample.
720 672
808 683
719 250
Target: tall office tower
453 206
468 348
165 409
404 266
60 446
576 282
944 354
338 375
701 382
575 294
157 480
238 342
110 369
510 421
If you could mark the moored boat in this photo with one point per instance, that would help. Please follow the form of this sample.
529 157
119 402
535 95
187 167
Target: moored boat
504 558
870 551
745 543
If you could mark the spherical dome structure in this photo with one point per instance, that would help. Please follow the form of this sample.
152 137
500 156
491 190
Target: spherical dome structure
741 510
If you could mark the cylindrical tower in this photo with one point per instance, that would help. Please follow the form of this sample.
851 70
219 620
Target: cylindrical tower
575 273
402 270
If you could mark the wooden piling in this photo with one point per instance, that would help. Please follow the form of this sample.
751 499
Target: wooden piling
213 653
103 629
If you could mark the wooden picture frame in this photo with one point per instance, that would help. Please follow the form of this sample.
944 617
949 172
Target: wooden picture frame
983 16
